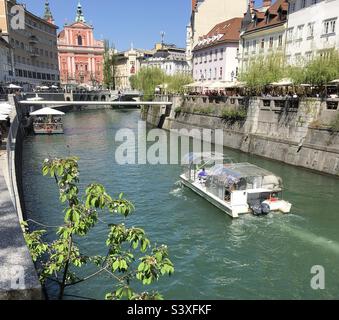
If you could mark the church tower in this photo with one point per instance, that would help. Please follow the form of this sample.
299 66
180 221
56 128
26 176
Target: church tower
48 14
80 15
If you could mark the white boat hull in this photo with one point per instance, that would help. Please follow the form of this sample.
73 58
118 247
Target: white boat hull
233 211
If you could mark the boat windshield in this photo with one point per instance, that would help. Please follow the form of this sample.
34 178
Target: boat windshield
194 162
241 176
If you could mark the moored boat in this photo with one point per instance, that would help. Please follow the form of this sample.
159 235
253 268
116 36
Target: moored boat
235 188
48 121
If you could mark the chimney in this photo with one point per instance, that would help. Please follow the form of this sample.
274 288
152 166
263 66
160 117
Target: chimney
267 3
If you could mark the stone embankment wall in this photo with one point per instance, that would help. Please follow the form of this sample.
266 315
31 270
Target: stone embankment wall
18 277
297 132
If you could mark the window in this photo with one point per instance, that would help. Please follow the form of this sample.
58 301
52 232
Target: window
79 40
280 40
290 34
271 42
215 73
329 26
216 55
262 43
292 7
221 72
303 3
210 77
247 46
308 56
300 30
211 53
254 44
310 30
221 54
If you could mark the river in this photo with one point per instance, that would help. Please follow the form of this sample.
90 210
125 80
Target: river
215 257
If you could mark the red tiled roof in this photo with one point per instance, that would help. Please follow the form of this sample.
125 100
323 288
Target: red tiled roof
230 31
273 10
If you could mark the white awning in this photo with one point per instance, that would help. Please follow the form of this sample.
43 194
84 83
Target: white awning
283 82
35 99
197 84
47 112
14 86
336 81
217 85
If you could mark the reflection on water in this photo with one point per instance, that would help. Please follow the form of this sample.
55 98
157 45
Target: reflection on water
215 257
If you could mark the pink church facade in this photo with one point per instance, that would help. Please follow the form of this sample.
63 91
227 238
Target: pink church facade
81 57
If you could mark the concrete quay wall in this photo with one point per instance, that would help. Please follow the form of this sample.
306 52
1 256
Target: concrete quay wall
293 132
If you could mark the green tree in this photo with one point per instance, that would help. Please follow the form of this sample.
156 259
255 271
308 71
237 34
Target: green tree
177 82
109 66
130 258
323 69
262 71
147 80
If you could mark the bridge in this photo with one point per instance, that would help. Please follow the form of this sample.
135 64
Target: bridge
95 103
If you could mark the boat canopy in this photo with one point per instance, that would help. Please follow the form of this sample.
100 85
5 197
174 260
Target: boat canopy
199 158
47 112
241 176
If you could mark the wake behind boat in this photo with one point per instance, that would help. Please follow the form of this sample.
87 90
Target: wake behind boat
235 188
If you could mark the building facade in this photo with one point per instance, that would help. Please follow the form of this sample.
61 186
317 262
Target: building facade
313 28
127 64
34 44
171 60
7 70
263 31
215 55
80 55
208 13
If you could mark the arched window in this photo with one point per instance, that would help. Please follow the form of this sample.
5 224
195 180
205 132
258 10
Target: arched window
79 40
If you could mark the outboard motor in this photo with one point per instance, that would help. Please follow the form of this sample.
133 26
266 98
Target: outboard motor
265 209
260 209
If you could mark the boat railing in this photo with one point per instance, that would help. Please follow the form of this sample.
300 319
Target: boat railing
48 126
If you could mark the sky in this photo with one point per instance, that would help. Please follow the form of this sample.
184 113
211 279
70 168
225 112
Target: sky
124 22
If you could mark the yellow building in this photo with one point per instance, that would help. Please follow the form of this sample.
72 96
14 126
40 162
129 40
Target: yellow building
34 43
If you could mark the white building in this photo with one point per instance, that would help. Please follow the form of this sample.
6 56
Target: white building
313 28
171 60
215 55
127 64
206 14
263 31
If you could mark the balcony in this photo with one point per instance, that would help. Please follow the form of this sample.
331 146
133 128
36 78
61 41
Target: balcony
33 40
34 53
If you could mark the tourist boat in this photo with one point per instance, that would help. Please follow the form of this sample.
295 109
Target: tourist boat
235 188
48 121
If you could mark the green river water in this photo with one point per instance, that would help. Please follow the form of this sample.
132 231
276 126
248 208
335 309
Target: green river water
215 257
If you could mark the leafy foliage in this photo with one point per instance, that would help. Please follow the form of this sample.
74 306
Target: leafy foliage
58 260
149 78
263 71
109 66
317 72
234 115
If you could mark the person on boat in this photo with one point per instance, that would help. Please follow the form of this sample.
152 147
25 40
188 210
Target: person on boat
202 174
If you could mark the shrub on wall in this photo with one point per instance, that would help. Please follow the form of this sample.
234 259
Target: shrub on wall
234 115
